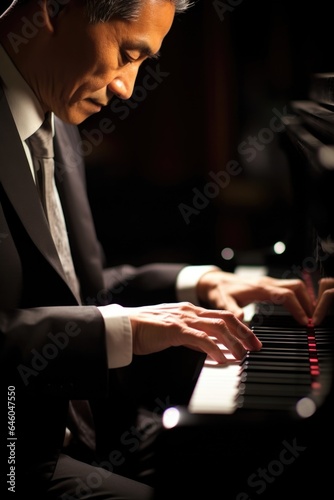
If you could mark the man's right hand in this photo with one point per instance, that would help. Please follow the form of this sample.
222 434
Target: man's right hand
158 327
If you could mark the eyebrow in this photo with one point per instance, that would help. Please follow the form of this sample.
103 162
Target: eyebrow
143 47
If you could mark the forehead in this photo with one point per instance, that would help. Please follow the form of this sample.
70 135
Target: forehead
150 27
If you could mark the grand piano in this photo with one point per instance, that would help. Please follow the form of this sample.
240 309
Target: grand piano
263 428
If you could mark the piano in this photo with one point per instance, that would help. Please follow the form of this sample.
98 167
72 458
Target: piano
263 428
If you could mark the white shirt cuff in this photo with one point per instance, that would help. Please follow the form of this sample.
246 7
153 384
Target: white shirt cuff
118 335
187 281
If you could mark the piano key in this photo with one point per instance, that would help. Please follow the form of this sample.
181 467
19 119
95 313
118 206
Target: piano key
216 389
250 271
266 389
281 356
286 378
274 377
276 367
265 403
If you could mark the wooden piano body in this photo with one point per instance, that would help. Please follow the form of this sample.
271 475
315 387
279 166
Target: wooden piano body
277 439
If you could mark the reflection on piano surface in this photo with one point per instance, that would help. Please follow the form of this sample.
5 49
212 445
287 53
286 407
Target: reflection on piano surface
263 428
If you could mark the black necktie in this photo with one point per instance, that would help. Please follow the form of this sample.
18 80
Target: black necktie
41 145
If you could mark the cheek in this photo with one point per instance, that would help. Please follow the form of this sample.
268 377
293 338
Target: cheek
75 69
86 79
74 88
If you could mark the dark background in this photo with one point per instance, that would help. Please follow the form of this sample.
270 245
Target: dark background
227 73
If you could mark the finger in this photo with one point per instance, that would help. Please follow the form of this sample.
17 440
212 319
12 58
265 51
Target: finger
228 355
234 325
231 305
202 342
301 291
325 284
230 331
286 298
324 305
292 305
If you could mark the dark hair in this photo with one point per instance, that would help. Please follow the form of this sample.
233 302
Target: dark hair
103 10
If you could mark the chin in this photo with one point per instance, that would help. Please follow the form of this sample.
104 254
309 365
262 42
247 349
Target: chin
72 116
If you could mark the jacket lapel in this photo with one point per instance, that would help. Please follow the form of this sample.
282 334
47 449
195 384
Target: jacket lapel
71 183
23 194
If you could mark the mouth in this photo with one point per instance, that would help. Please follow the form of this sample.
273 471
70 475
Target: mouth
96 104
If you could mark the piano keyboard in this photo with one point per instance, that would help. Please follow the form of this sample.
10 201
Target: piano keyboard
290 367
217 386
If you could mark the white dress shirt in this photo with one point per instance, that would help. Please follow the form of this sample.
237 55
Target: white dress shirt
29 116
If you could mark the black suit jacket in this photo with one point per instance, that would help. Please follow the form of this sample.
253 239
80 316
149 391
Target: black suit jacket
53 349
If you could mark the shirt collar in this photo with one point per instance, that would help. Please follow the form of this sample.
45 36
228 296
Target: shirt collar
23 103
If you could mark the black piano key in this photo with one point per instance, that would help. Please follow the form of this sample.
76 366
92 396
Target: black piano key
290 361
271 348
277 390
272 368
273 377
283 342
265 403
291 357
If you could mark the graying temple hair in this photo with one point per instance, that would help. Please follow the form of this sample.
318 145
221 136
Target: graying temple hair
103 10
124 9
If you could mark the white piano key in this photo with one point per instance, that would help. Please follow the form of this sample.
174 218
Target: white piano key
217 386
216 389
250 272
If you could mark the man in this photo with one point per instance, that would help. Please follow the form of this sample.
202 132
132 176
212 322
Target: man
69 58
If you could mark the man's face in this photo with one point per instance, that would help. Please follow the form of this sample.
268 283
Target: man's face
89 63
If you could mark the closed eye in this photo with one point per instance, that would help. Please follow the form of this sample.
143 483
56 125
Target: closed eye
130 55
127 59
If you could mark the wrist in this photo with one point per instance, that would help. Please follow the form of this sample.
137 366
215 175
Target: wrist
187 282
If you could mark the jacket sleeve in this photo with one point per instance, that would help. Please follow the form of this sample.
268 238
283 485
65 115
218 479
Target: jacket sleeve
126 285
145 285
54 350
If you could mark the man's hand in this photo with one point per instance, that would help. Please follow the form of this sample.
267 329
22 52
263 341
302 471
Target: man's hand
158 327
325 301
231 292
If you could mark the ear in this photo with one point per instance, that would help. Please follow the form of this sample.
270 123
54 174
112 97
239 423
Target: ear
51 10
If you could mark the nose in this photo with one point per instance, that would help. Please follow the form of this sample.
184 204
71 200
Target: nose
123 84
